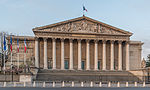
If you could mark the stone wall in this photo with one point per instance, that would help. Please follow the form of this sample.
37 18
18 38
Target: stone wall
8 78
135 55
29 55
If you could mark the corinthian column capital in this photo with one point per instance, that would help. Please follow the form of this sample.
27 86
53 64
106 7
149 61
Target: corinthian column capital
79 40
87 40
53 38
112 41
71 40
45 39
96 41
127 42
104 41
36 38
120 42
62 39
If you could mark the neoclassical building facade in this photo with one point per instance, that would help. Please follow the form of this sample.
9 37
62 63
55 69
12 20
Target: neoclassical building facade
82 44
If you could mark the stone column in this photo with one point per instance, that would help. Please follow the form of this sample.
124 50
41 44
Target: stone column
120 56
87 55
112 56
54 53
96 55
71 55
104 55
45 53
127 56
36 52
62 54
79 54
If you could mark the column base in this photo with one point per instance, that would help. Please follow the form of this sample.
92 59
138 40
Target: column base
79 69
127 69
104 69
112 69
96 69
71 69
119 69
53 68
88 69
45 68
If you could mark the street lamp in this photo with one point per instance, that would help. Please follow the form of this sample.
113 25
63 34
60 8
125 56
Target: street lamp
12 72
148 74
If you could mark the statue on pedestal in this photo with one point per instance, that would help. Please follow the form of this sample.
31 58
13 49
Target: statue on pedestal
143 63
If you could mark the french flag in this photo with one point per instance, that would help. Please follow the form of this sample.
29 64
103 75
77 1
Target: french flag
25 45
11 43
18 45
84 9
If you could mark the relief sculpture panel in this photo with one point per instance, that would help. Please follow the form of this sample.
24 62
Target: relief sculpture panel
83 26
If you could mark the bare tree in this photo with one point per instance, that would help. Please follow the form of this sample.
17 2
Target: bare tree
148 61
2 49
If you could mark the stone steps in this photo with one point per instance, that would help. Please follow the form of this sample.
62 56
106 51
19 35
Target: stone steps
79 75
80 71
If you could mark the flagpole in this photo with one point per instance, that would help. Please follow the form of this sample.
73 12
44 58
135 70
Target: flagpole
11 58
83 9
18 59
11 50
25 51
25 61
24 58
18 51
83 13
4 46
4 63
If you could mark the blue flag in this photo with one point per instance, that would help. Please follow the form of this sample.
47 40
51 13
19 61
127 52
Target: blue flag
4 43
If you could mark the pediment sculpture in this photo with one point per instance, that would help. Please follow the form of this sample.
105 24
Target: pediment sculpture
83 26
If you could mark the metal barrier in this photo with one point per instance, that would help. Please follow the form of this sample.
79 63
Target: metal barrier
73 84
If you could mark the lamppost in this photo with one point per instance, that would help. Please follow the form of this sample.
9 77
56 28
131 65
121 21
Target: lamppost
148 74
12 72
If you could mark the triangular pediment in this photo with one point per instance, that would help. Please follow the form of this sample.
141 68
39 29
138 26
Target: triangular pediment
82 25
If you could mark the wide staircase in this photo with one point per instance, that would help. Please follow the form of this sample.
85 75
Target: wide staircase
84 75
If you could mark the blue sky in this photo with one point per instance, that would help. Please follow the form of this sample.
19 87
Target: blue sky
20 16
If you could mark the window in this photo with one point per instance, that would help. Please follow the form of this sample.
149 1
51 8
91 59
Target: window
66 64
82 65
115 64
99 64
50 64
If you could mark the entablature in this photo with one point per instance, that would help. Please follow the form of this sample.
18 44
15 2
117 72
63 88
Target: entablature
83 36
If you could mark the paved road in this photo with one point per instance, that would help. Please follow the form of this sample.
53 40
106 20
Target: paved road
74 88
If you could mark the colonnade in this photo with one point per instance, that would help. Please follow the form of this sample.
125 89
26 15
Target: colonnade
80 55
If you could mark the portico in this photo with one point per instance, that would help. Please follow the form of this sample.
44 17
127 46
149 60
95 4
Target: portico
81 44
